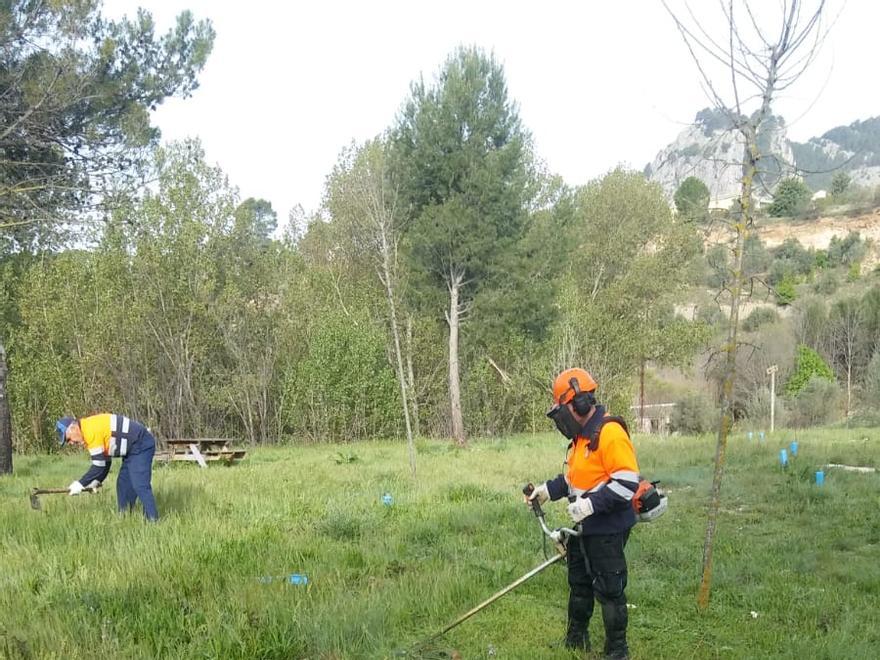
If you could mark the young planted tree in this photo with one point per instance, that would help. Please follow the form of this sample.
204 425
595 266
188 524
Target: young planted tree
762 52
460 153
361 195
75 96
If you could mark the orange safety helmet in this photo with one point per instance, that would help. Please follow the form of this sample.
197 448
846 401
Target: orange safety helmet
563 392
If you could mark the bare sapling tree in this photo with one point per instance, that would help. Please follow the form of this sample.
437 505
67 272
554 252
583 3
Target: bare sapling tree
847 325
361 195
762 51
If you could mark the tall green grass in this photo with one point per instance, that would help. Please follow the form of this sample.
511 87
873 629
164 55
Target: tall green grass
79 581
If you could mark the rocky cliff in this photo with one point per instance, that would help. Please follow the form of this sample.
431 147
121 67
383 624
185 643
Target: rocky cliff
711 151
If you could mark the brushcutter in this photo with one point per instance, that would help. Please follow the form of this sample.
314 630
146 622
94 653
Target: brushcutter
559 537
36 492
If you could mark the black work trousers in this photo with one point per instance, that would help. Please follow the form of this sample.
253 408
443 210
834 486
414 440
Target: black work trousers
597 569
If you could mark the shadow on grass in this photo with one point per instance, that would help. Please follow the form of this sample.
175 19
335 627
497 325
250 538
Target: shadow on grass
178 498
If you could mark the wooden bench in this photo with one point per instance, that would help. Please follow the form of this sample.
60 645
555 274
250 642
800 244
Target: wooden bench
201 450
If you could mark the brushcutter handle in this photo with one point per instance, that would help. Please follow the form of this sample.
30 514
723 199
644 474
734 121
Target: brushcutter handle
527 490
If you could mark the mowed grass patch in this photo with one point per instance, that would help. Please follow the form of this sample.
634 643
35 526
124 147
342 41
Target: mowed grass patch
79 581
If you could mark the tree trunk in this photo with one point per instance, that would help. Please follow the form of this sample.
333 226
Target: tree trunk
454 379
848 389
5 420
642 396
414 400
742 226
401 378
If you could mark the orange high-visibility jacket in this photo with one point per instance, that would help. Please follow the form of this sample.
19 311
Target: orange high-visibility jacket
601 465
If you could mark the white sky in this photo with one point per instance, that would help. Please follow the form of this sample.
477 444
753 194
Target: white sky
598 82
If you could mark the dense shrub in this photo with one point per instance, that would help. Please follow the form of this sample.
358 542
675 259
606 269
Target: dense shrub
692 199
827 283
871 390
693 414
809 365
757 409
791 197
785 292
760 316
846 251
817 403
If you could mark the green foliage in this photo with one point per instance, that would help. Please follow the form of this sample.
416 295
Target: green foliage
718 260
460 155
827 283
871 392
818 402
846 251
467 198
79 88
791 197
756 257
757 409
785 292
694 414
853 273
790 260
840 183
344 387
620 291
403 571
871 311
760 316
255 220
692 199
809 365
711 315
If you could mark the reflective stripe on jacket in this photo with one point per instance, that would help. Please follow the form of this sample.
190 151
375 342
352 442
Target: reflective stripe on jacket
107 435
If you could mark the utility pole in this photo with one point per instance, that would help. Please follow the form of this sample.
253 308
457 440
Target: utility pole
772 371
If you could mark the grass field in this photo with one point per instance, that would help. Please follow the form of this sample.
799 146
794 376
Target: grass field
78 581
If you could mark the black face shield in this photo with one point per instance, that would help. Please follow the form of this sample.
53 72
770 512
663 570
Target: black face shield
565 421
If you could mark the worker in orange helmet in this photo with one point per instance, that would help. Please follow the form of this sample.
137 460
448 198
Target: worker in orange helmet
601 478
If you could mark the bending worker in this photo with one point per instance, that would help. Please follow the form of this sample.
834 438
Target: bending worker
601 479
107 436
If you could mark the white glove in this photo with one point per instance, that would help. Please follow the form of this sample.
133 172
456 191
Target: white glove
539 495
75 488
95 485
581 508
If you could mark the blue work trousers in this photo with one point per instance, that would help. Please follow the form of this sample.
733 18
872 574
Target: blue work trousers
133 482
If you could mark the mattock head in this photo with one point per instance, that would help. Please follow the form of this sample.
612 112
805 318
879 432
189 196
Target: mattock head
35 500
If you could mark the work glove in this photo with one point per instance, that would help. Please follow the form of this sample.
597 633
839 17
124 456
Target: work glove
75 488
95 485
581 508
539 495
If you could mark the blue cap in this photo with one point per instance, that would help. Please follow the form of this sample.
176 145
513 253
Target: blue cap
61 426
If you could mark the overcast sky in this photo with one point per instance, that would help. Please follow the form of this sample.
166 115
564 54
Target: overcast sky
598 82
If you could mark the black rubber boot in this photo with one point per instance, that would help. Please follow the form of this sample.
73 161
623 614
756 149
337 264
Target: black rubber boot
577 635
615 618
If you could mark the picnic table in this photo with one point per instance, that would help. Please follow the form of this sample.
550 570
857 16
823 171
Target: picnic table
202 450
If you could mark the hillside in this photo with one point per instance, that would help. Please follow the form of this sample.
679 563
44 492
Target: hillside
817 234
711 151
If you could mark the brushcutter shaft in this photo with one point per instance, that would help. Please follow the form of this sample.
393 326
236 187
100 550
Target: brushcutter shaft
510 587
